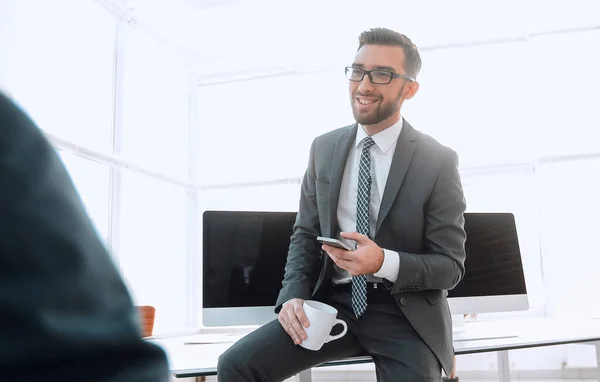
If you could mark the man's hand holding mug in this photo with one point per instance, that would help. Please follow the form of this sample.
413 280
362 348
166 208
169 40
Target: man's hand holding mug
293 320
309 323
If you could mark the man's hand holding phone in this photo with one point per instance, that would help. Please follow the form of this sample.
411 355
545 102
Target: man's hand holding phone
366 259
293 320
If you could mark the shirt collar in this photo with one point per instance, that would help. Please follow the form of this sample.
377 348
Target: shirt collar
383 139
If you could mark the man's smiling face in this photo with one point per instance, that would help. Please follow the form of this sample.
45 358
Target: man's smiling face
373 104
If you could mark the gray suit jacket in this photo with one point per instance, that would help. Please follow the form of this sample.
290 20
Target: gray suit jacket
421 217
65 312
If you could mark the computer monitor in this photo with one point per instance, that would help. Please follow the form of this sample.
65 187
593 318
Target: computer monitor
244 255
494 280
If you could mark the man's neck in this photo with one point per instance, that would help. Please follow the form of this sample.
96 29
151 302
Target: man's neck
379 127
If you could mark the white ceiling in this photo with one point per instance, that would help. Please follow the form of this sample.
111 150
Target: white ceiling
236 36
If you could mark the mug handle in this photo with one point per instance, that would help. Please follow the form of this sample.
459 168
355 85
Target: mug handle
333 338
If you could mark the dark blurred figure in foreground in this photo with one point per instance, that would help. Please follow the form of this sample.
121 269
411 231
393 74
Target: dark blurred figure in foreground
65 313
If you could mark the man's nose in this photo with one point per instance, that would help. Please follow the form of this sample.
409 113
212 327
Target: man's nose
365 85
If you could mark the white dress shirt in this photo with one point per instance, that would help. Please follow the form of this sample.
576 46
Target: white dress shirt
382 153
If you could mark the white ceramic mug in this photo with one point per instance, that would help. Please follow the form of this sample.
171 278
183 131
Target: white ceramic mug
322 318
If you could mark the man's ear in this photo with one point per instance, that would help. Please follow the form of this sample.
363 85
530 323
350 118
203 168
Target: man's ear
413 88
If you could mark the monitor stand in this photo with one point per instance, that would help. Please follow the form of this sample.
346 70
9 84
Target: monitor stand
462 332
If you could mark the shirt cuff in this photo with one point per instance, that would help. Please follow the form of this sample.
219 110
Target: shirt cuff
389 268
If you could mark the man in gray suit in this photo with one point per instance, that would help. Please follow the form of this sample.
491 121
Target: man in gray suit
65 312
395 195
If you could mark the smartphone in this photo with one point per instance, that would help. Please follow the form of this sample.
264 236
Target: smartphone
334 243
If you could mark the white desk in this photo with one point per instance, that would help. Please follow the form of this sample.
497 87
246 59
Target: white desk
201 360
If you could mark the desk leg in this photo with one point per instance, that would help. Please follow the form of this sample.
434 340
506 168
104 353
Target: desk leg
503 366
598 359
304 376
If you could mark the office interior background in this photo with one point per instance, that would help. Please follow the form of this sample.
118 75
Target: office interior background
161 110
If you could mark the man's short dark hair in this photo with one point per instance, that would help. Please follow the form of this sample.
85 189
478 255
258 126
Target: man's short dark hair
384 36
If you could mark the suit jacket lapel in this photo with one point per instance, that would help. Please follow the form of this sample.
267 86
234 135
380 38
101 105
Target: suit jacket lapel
405 148
340 156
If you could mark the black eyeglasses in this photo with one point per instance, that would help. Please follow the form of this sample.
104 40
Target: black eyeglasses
377 76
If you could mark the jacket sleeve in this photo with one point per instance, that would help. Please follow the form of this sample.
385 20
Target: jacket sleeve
442 265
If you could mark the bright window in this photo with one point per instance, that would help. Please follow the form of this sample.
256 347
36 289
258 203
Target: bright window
568 65
480 101
156 107
92 183
569 227
283 197
262 129
153 247
61 69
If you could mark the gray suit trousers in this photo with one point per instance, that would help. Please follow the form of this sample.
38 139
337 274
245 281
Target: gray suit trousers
399 353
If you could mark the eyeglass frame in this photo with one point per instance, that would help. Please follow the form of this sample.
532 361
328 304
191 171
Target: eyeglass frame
393 75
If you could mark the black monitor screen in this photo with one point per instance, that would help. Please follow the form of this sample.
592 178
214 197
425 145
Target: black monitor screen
244 255
493 265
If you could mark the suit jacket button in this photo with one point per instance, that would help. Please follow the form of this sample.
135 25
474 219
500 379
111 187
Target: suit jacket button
403 301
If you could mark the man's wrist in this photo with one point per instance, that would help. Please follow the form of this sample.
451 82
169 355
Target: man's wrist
390 266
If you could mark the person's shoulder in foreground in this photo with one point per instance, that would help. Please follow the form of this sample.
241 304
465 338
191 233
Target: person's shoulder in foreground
66 314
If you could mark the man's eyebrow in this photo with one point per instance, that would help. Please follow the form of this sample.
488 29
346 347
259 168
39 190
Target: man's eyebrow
385 68
377 67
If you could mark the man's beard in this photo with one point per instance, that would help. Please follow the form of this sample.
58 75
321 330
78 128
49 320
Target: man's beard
383 111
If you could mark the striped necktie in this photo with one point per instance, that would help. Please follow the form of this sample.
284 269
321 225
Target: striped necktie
359 283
